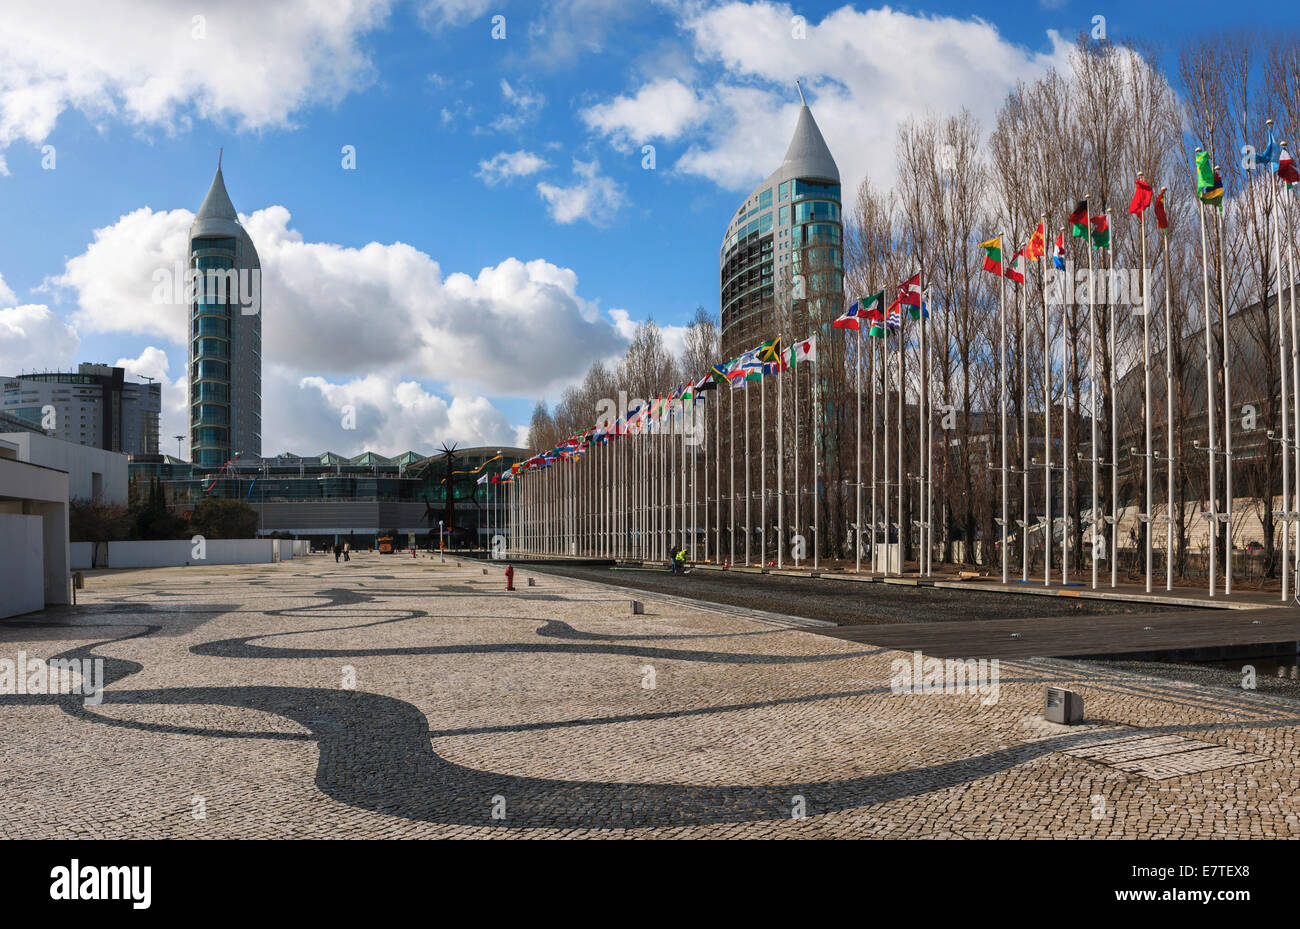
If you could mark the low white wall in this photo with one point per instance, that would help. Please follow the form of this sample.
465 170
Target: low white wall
22 564
181 552
81 554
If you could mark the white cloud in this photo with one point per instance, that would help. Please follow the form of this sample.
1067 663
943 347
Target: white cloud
31 335
662 109
593 196
391 416
353 318
864 71
506 165
153 64
434 14
154 364
7 297
524 106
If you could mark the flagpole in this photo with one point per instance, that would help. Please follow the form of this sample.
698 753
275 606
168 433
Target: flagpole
817 422
1227 411
857 452
901 486
1169 423
780 462
748 468
695 467
1281 351
731 469
922 451
1024 434
1065 424
762 468
1092 379
1210 401
798 526
1295 371
1146 379
1002 401
1114 411
884 464
1047 414
875 366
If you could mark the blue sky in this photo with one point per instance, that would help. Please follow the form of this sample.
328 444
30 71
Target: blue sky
580 242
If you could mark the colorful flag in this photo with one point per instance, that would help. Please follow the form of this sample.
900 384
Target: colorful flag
993 255
770 351
805 351
1079 220
1037 246
1162 218
1141 197
1209 186
1058 252
718 374
909 292
1100 231
1016 270
1269 155
1286 169
893 316
922 311
850 319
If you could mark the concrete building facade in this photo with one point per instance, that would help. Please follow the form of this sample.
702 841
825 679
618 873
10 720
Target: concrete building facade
96 406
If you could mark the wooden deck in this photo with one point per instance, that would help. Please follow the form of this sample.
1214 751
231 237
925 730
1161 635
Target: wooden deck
1069 636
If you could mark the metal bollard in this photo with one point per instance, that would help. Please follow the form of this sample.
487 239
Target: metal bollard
638 608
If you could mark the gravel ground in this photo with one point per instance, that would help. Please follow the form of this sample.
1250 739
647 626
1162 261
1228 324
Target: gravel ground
1227 675
850 603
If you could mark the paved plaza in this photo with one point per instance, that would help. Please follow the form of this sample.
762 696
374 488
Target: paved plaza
396 697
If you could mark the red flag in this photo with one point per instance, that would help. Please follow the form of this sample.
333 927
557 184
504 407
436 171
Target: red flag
1037 246
1162 219
1141 197
909 292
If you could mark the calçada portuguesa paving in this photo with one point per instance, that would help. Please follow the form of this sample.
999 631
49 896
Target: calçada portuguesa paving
398 697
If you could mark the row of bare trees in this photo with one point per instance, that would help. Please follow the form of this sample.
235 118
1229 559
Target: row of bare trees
1086 131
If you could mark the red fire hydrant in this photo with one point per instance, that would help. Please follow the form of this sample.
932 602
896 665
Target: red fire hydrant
510 577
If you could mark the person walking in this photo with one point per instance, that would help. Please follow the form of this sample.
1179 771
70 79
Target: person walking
338 550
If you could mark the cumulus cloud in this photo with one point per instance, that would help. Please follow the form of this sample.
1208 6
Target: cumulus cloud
662 109
31 335
388 416
157 64
592 196
506 165
848 61
434 14
154 364
522 107
7 297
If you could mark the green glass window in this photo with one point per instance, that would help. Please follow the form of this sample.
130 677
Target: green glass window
765 199
785 190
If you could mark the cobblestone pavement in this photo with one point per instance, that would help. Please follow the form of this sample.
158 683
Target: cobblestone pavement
552 711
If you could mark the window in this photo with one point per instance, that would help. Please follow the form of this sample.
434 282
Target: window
809 189
785 190
785 216
765 199
765 223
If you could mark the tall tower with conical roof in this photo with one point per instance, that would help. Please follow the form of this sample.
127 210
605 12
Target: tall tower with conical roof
781 266
225 369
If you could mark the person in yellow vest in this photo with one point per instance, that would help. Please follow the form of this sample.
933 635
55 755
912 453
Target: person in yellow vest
679 562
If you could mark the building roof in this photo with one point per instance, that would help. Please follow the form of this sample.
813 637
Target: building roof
217 205
808 154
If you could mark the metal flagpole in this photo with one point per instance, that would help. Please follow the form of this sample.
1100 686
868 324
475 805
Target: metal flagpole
923 470
1092 381
1065 425
884 464
748 532
731 468
1002 398
1024 433
1047 415
798 526
817 431
1146 382
1210 402
704 429
1286 431
901 486
780 459
1227 413
1114 413
857 448
1169 424
1295 371
695 466
762 467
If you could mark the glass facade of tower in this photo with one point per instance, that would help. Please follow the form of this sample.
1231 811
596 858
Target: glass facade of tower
210 326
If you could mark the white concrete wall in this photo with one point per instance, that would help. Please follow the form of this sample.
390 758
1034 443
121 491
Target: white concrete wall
81 462
80 554
22 564
33 490
181 552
